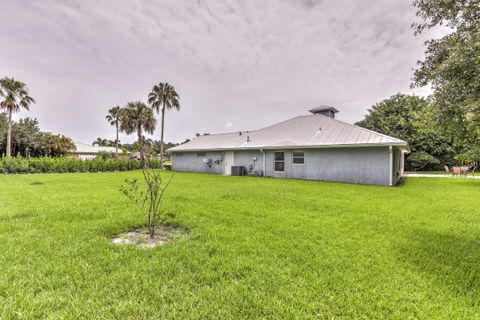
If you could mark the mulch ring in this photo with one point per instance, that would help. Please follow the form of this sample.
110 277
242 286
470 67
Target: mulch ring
141 238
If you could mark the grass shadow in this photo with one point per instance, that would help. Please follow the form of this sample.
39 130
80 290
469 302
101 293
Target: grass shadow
20 216
451 261
37 183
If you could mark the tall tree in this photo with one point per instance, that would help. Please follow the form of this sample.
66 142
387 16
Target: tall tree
13 96
56 145
394 116
452 67
407 117
163 97
137 117
113 117
26 134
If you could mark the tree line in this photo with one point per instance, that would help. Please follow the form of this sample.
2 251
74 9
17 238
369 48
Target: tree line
24 136
150 146
28 140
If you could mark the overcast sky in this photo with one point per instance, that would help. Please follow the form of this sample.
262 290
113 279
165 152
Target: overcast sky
237 65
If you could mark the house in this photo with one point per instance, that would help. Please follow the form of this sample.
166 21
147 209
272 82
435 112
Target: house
315 146
84 151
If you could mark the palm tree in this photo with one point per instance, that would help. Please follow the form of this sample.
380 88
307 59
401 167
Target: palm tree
137 117
163 97
100 142
13 96
113 117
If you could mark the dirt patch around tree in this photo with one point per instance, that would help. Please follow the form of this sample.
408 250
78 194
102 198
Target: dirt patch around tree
141 238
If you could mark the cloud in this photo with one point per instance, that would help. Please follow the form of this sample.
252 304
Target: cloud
256 62
228 124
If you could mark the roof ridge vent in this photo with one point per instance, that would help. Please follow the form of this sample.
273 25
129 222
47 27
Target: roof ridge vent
324 111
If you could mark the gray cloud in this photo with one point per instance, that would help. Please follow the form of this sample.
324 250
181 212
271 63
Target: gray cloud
236 64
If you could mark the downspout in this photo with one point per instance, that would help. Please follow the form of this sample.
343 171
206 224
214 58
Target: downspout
390 149
402 163
264 162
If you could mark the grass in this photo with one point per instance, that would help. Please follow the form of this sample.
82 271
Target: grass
257 248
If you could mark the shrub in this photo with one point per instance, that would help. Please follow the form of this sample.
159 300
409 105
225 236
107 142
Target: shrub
468 157
106 155
420 160
63 165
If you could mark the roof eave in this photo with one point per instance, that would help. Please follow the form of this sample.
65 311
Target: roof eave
355 145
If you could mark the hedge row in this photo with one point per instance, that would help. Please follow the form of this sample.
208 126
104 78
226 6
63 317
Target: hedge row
62 165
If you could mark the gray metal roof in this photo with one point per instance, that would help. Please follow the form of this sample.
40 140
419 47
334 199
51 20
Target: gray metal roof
85 148
311 131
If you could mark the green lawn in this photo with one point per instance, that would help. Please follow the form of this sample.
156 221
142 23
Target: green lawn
257 248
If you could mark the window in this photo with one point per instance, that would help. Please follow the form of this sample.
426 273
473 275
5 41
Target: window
201 154
178 154
298 157
279 161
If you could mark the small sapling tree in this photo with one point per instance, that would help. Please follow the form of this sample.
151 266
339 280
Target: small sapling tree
148 198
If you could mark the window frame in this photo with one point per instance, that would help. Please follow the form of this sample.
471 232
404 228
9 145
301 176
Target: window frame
201 154
275 161
298 157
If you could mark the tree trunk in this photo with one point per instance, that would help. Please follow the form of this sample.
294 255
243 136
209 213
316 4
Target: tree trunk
140 146
9 133
116 142
161 137
151 212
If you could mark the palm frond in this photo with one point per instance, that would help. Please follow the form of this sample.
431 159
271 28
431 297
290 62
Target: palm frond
137 115
163 95
14 95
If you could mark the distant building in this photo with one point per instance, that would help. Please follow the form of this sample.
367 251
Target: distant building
316 147
84 151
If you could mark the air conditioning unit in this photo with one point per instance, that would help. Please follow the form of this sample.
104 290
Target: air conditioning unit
238 171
